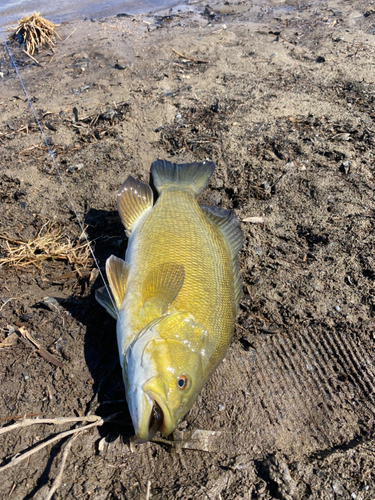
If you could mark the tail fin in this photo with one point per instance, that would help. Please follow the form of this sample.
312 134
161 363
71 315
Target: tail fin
191 175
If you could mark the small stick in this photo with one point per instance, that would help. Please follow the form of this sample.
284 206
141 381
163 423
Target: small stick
164 441
75 29
16 459
31 57
57 481
8 300
12 489
54 421
39 349
148 491
254 220
21 416
189 58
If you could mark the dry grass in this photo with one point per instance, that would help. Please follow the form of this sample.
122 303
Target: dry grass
49 245
35 32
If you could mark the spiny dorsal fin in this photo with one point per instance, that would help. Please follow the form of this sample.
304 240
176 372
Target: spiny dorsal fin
117 271
134 198
163 284
193 176
104 299
227 222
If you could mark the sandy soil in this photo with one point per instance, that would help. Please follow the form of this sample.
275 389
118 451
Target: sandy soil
284 104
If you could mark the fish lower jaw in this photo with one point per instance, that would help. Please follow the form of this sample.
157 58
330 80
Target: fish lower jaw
148 424
146 413
156 420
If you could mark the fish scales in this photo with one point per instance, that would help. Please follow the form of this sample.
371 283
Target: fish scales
176 294
176 230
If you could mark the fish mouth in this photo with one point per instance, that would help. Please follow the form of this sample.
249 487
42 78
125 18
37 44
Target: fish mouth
150 420
156 420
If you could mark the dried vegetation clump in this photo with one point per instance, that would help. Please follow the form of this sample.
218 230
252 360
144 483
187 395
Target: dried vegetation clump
35 31
50 244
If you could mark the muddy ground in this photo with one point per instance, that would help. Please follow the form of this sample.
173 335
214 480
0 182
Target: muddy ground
283 101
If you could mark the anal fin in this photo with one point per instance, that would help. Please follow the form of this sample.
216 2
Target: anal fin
134 198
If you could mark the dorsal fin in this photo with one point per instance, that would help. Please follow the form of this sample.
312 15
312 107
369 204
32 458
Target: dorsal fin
227 222
193 176
134 198
162 285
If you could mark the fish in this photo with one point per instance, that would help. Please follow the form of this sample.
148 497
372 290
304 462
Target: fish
175 296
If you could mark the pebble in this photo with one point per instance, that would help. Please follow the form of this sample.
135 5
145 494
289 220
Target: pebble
345 166
338 488
266 186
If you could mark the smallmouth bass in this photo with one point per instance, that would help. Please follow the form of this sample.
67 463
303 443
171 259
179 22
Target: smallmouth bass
176 295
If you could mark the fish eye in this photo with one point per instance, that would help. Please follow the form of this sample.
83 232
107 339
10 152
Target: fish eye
182 382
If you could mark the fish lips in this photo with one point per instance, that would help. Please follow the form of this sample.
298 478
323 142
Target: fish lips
148 410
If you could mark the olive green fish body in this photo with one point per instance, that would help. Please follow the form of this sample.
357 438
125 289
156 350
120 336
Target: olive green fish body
177 231
176 295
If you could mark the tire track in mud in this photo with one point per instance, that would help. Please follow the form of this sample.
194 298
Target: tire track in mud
311 390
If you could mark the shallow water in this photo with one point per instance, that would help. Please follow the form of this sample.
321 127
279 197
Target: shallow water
68 10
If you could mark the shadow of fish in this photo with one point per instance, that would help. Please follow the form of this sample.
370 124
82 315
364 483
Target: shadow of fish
176 294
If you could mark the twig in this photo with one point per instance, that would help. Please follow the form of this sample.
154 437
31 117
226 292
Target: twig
164 441
12 489
15 417
57 481
16 459
254 220
55 421
75 29
39 349
189 58
8 300
148 491
33 58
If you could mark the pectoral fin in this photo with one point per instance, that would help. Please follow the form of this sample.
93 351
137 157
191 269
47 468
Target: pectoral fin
117 271
133 200
162 286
